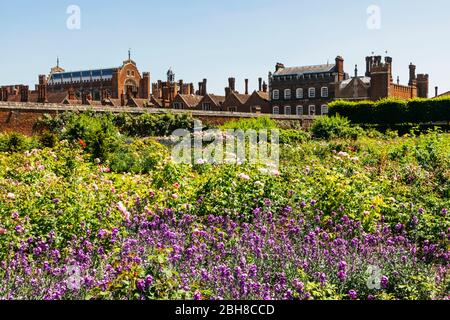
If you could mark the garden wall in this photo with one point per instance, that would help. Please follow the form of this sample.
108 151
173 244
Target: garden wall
21 117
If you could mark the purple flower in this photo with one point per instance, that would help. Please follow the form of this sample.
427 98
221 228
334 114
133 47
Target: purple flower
342 275
353 294
444 211
384 282
140 284
197 296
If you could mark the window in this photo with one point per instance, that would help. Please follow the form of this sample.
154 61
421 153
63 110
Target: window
276 94
312 92
232 109
287 94
299 93
299 110
128 73
132 73
276 110
324 92
324 110
206 106
312 110
287 110
177 105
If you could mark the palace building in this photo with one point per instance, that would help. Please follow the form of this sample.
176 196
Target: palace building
378 83
99 84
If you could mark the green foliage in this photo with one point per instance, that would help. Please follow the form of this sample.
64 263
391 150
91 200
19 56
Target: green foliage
16 142
259 123
292 136
392 111
138 157
334 127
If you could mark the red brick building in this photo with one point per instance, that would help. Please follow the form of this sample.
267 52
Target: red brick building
305 90
378 83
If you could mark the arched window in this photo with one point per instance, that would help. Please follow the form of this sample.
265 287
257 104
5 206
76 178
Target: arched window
324 110
312 110
276 110
299 110
324 92
276 94
312 92
287 110
287 94
299 93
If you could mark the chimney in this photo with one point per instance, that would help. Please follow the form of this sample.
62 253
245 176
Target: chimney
42 89
279 66
145 86
24 93
191 88
71 94
227 91
181 85
412 74
340 68
436 90
368 65
265 87
200 88
205 91
232 84
246 86
259 84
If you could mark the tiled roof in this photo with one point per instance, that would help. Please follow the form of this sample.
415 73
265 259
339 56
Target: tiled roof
191 100
56 97
298 71
364 80
263 95
444 94
217 99
140 103
243 98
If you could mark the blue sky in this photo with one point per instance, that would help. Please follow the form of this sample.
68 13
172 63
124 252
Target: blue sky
217 39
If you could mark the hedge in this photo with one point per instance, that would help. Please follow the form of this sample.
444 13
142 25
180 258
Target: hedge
393 111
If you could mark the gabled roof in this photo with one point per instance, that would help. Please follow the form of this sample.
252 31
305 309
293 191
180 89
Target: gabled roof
216 99
56 97
364 80
298 71
243 98
444 94
191 100
139 103
263 95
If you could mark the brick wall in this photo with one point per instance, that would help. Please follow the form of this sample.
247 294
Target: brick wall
21 117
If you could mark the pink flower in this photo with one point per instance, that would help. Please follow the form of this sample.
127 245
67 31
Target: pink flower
123 210
243 176
175 196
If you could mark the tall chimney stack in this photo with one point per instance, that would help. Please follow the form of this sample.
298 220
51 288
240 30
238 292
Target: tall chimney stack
436 89
232 84
205 90
412 74
246 86
259 84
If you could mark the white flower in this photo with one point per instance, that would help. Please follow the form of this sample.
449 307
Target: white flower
11 196
259 184
343 154
354 159
201 161
243 176
275 173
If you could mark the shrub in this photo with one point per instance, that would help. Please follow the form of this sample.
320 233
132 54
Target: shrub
260 123
334 127
16 142
291 136
48 139
393 111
